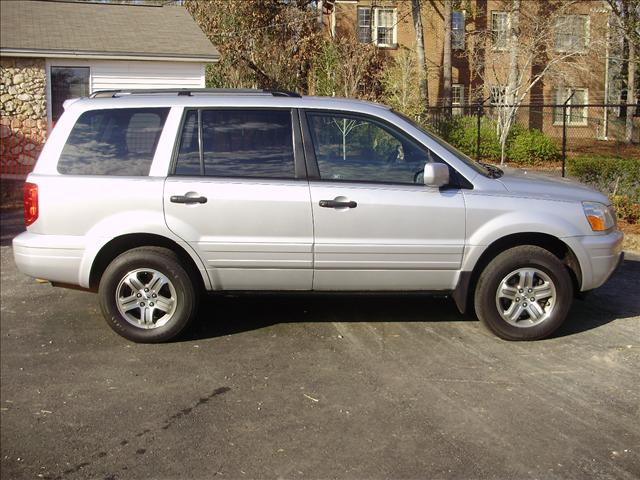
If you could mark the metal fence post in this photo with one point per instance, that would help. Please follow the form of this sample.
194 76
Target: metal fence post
564 132
564 137
479 115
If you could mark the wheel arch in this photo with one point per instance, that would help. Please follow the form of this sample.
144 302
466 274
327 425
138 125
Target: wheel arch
123 243
468 280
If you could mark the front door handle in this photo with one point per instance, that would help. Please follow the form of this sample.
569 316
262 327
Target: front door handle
185 199
337 204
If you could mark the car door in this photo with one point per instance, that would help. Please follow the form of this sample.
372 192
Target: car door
377 226
238 195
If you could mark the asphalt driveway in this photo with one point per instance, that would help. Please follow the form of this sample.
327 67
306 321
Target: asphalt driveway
317 387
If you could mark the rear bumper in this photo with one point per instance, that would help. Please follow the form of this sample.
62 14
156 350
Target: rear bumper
45 256
599 256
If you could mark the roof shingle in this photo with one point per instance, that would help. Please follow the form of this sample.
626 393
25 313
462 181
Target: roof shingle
102 28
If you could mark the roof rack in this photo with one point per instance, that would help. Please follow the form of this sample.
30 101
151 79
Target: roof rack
192 91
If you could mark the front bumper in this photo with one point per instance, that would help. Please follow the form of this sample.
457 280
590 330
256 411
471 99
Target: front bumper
599 256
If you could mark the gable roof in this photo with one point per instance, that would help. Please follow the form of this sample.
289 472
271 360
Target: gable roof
101 30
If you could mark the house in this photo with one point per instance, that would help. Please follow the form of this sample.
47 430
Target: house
51 51
389 24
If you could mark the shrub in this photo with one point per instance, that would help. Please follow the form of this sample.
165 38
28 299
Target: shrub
529 147
462 133
619 178
524 146
626 208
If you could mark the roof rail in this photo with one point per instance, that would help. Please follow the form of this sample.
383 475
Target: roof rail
192 91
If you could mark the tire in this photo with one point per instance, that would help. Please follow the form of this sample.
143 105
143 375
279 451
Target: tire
147 296
503 296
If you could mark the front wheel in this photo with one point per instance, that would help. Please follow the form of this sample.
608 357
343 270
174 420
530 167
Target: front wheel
146 295
524 294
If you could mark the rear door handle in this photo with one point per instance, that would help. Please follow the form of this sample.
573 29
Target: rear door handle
185 199
337 204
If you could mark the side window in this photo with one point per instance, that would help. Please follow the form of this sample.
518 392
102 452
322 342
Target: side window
357 149
118 142
188 162
238 143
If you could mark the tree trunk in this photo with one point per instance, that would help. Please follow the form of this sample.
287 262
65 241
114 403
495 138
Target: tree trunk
446 58
416 10
631 93
510 109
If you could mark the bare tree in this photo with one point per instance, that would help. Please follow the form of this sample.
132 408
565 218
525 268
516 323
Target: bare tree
416 10
626 23
399 79
347 68
446 60
534 46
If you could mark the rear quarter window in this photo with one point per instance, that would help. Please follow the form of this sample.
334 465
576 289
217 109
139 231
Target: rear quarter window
118 142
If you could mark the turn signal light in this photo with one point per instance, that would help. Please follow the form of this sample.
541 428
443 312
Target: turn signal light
30 203
597 223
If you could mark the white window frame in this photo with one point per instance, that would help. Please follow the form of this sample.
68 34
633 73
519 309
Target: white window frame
370 26
457 107
587 33
584 121
500 92
394 27
458 35
494 44
62 62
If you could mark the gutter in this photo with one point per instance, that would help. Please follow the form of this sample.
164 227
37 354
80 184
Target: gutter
40 53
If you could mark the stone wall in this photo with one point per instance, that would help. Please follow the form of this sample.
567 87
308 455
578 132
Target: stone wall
23 113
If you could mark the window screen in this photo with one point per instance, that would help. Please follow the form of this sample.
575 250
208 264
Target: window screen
113 142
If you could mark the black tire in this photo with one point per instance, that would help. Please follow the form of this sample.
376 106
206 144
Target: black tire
179 295
502 267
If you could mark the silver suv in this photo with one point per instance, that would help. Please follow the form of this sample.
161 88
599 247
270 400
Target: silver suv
153 197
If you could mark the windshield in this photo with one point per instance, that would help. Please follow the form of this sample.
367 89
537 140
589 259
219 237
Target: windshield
481 168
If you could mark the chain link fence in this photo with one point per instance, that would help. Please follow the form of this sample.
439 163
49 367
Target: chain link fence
593 129
568 130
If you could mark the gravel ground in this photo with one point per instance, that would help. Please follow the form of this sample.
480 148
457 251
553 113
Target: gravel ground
317 387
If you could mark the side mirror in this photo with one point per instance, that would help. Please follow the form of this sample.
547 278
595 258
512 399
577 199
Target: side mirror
436 174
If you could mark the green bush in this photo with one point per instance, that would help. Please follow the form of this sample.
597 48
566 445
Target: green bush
524 146
619 178
462 133
529 147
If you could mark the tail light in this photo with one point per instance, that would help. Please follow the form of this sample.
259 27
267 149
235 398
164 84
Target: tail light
30 203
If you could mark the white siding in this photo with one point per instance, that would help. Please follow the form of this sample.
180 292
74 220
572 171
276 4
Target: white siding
115 74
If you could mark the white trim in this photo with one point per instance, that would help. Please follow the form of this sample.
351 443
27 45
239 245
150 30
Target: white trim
13 52
587 33
457 108
394 27
585 117
47 93
494 45
59 63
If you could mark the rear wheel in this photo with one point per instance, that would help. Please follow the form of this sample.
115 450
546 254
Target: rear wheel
147 296
524 294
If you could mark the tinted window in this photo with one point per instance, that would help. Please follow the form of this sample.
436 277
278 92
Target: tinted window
113 142
188 162
358 149
238 143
